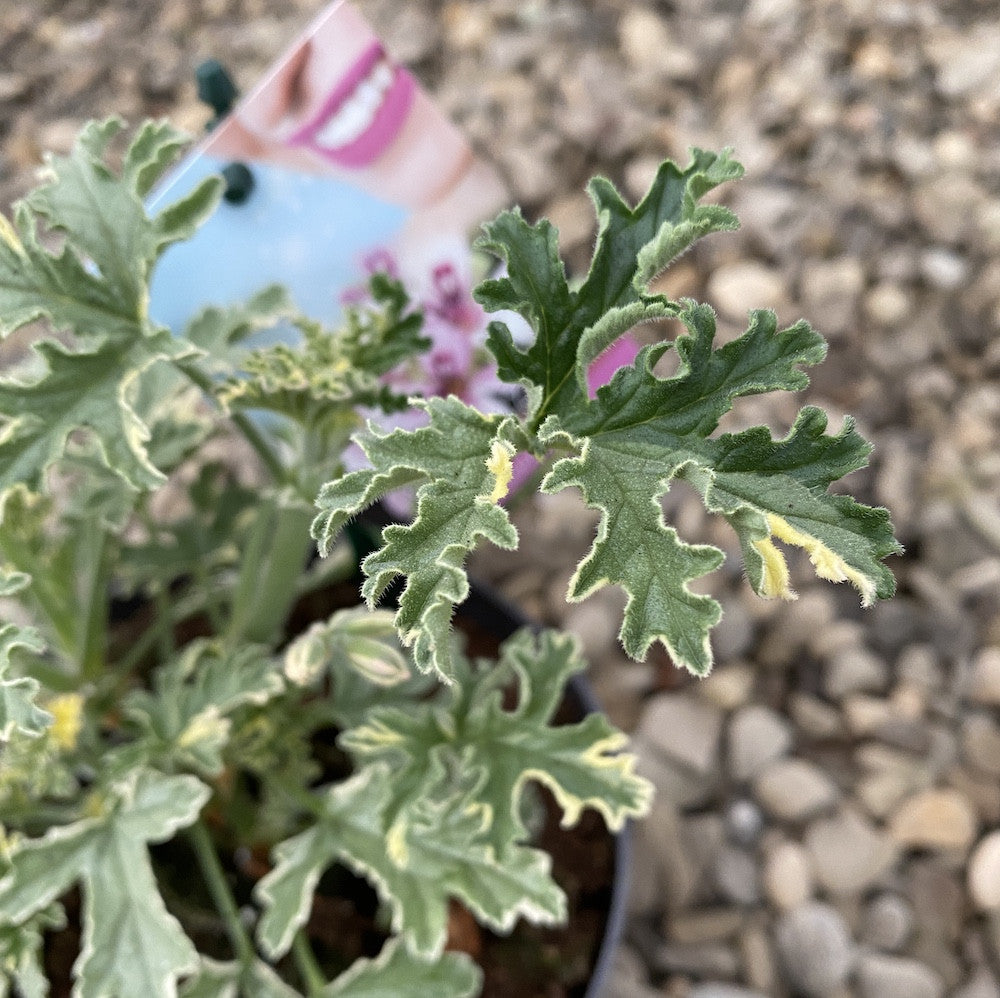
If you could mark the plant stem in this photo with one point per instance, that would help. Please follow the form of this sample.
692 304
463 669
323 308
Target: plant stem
309 968
215 879
246 425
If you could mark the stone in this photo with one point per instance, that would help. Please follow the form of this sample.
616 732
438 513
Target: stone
984 685
795 790
735 288
703 925
888 304
713 989
788 877
830 290
757 954
684 728
663 873
728 686
943 268
735 875
887 922
815 949
698 959
744 821
934 819
883 976
981 743
814 717
849 854
984 873
854 670
629 977
982 984
757 736
939 900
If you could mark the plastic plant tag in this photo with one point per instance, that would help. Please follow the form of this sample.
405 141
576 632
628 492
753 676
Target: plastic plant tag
353 170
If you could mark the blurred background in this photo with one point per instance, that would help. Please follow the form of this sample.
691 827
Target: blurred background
830 798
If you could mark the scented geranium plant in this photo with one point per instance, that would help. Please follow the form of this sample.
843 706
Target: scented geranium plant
162 499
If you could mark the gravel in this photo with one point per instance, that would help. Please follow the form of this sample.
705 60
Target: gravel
871 134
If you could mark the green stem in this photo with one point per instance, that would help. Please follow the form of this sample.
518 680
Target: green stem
309 968
246 425
272 564
215 880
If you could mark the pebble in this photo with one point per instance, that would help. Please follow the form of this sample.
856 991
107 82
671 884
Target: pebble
735 288
848 852
888 304
887 922
757 736
984 873
744 821
830 291
684 728
713 989
794 790
981 743
854 670
702 925
728 686
815 949
944 269
736 875
985 677
982 984
934 819
882 976
788 877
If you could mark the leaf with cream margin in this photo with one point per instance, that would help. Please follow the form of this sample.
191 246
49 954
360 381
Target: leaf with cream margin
18 710
94 286
217 979
442 850
642 431
572 328
131 944
468 728
396 971
460 461
186 718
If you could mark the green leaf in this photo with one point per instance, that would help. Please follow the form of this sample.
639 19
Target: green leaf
81 390
22 951
187 717
442 851
633 246
216 979
18 711
397 972
104 221
642 431
456 457
471 731
96 287
131 944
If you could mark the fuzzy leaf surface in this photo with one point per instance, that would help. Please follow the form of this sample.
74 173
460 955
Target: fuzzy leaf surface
131 944
441 851
642 431
469 730
455 507
95 287
18 710
633 245
186 718
396 971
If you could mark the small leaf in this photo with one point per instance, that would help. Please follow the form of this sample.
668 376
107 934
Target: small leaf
454 509
440 852
471 731
186 718
22 953
131 944
396 972
18 711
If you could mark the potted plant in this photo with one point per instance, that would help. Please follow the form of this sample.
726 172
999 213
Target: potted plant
168 694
